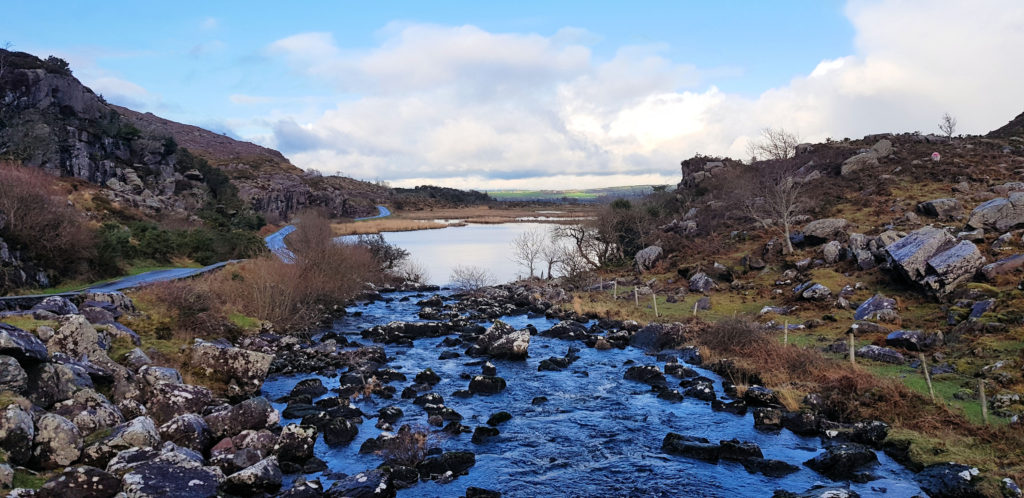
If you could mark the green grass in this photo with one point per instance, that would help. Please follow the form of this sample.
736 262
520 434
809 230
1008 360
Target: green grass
134 268
945 386
244 321
26 322
24 479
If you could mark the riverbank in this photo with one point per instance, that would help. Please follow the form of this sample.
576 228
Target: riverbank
430 219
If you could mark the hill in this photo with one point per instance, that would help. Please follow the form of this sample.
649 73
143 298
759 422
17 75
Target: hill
573 195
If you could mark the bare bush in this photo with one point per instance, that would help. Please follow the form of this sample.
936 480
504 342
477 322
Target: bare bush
527 248
574 270
775 200
411 271
470 278
40 220
948 126
733 335
775 143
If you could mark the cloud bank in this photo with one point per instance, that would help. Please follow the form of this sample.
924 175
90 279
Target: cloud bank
464 107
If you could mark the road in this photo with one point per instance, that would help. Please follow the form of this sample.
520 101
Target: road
274 241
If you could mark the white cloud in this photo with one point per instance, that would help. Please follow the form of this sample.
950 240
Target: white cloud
209 24
465 107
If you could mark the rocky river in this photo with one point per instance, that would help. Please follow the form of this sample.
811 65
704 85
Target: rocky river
577 427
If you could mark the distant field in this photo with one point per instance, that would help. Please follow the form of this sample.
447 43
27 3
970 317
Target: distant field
582 195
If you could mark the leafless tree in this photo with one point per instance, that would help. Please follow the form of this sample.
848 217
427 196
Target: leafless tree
4 55
586 243
775 143
574 269
527 249
775 200
551 255
470 278
948 126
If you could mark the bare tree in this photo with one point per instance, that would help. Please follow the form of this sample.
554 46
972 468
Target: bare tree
776 201
470 278
527 248
587 243
948 126
775 143
4 55
551 255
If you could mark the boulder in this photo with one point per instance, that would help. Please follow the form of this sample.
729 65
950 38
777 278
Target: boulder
843 461
12 377
949 480
691 447
760 396
313 387
90 411
140 432
911 340
567 330
945 209
646 374
737 450
502 341
910 254
295 444
58 443
821 231
451 463
136 359
486 384
153 376
49 383
339 431
17 432
81 482
870 309
767 419
188 430
21 345
878 353
1004 266
251 414
244 370
952 267
58 305
701 282
859 162
369 484
116 300
831 252
263 477
167 401
171 479
813 291
646 257
1000 214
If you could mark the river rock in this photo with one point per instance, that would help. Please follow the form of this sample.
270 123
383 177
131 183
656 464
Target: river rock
245 370
567 330
646 374
701 282
691 447
12 377
427 377
170 400
58 443
313 387
945 209
647 256
340 431
263 477
81 482
22 345
949 480
737 450
295 443
188 430
842 461
169 479
878 353
486 384
251 414
760 396
17 431
368 484
767 419
504 342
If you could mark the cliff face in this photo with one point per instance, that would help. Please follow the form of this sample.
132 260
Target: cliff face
49 120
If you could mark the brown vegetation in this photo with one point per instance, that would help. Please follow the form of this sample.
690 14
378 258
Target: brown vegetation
384 225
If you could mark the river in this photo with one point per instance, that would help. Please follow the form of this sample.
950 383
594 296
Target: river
597 435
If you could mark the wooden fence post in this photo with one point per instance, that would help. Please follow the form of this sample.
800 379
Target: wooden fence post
654 299
927 376
636 298
853 359
785 334
984 401
615 289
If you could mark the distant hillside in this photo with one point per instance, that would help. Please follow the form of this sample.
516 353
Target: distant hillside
51 121
431 197
574 195
1015 128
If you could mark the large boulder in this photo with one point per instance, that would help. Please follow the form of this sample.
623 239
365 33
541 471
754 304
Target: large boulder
171 478
23 346
701 282
12 377
139 432
90 411
244 370
1000 214
116 300
945 209
295 444
251 414
57 305
882 148
952 267
58 443
910 254
878 353
167 401
1004 266
81 482
646 257
369 484
823 230
17 432
188 430
874 307
691 447
502 341
949 480
263 477
50 383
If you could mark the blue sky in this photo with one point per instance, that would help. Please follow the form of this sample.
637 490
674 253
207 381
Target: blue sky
531 94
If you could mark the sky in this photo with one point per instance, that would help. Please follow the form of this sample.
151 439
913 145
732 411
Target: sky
537 94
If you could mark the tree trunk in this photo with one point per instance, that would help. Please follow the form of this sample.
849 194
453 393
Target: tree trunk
789 243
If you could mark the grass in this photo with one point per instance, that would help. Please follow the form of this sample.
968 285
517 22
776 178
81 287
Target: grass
26 322
379 225
244 322
134 268
29 480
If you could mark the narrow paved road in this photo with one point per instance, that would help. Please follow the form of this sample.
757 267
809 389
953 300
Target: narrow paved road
274 241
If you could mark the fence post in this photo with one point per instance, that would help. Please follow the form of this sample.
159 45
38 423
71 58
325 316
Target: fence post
853 359
785 334
654 299
927 376
984 401
636 298
615 289
695 308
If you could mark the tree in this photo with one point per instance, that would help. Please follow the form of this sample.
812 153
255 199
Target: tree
775 143
387 255
948 126
551 254
527 248
776 200
470 278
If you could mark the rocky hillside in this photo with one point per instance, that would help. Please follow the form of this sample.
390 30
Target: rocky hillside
48 119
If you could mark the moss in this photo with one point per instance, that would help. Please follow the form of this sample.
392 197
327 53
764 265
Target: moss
26 479
26 322
985 289
97 436
244 322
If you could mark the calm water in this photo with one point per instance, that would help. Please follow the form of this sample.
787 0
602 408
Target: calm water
484 246
598 435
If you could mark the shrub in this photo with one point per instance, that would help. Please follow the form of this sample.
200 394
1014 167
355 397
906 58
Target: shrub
470 278
408 447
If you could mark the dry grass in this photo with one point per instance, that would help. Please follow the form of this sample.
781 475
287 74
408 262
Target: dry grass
384 225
